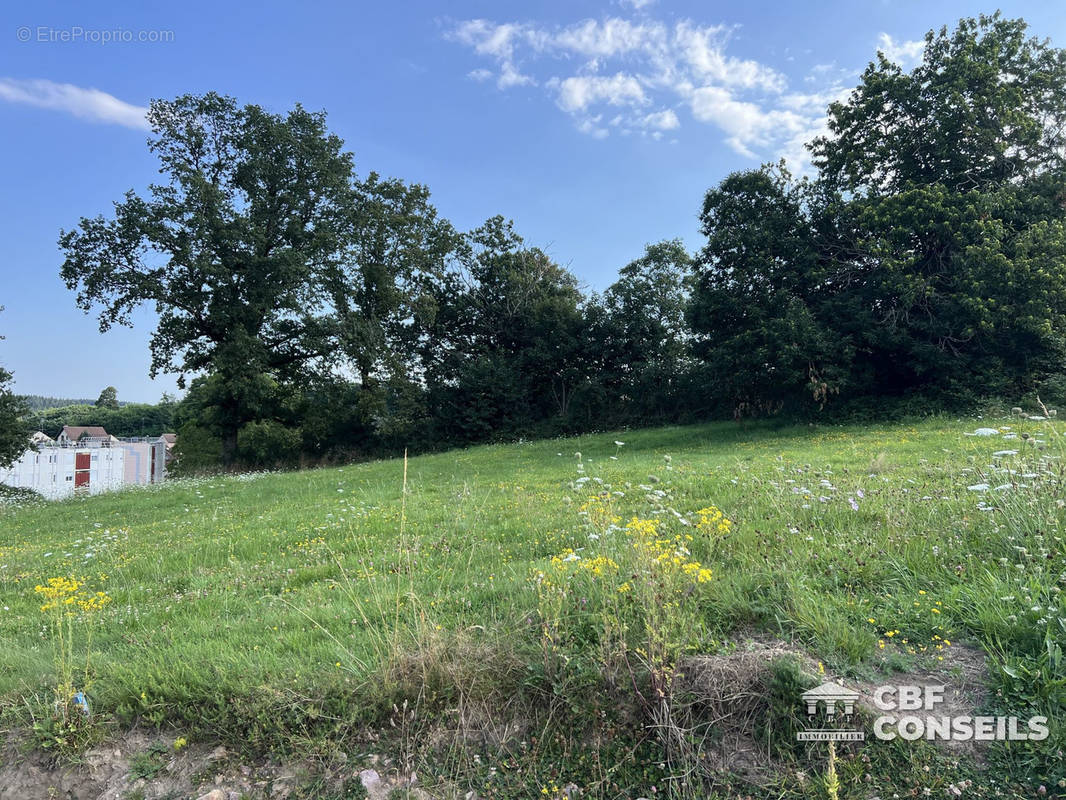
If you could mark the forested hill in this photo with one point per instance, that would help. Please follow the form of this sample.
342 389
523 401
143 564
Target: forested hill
40 402
131 419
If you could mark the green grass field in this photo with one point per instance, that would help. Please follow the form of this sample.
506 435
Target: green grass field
280 611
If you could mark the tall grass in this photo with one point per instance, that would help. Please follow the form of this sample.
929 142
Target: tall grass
525 605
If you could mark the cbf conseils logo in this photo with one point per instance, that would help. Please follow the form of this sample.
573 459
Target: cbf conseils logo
908 713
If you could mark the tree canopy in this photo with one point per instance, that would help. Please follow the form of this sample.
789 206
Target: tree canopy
14 434
108 398
263 254
922 256
321 313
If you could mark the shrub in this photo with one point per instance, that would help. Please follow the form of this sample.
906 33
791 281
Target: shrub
267 443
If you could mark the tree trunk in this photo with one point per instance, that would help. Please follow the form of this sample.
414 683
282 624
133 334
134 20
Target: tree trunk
229 445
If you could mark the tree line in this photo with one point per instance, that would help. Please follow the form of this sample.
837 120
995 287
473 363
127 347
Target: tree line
40 402
315 311
128 420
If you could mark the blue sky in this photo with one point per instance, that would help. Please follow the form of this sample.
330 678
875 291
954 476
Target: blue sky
597 127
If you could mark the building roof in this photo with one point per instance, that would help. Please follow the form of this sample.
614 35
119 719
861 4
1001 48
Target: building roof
76 432
169 438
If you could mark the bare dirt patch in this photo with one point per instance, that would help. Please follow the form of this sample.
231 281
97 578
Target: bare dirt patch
963 673
117 770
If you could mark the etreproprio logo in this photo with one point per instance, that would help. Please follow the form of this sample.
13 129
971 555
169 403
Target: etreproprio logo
910 715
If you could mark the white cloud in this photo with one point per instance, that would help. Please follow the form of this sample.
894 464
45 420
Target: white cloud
510 76
828 74
661 120
814 103
90 104
746 124
611 37
645 68
906 54
487 38
498 41
704 51
592 127
479 74
637 4
577 93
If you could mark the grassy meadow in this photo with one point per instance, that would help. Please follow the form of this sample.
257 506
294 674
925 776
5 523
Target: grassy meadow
557 585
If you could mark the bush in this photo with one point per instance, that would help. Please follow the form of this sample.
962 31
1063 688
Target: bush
197 450
267 443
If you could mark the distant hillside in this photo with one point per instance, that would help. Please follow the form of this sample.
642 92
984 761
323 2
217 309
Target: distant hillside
38 402
131 419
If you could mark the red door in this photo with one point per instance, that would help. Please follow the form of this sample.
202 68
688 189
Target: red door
81 469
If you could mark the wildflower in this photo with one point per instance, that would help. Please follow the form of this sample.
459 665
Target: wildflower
599 564
712 520
57 588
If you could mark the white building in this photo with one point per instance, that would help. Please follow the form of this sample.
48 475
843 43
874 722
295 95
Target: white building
84 464
145 460
58 471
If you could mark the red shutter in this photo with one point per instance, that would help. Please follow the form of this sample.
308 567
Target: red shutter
82 462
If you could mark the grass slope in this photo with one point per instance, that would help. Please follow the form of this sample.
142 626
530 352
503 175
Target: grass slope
257 607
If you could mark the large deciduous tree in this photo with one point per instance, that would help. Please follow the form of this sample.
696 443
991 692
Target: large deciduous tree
264 256
108 398
759 286
986 106
951 178
641 330
922 256
501 353
14 435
